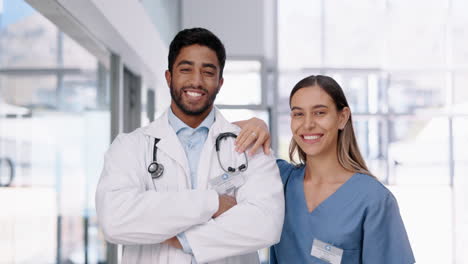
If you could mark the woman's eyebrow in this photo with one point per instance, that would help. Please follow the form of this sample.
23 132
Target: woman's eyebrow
313 107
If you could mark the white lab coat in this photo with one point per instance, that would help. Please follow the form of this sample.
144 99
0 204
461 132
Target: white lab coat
140 213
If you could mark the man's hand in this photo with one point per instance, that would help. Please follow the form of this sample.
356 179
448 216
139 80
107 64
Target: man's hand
226 202
173 242
254 131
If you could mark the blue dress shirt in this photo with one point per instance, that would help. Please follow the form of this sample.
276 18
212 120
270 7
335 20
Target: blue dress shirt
192 140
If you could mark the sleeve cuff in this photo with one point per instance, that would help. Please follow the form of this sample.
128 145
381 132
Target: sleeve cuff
214 202
185 245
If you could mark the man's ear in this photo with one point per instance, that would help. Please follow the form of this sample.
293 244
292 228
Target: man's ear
345 113
221 81
168 76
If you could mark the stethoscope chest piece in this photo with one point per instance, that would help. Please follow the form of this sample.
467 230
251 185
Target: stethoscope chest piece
156 169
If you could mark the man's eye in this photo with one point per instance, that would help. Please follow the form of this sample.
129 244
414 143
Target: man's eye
297 114
209 73
185 70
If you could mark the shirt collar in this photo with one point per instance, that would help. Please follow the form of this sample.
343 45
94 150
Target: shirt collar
178 124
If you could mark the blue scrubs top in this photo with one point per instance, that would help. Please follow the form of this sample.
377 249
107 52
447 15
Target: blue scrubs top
361 217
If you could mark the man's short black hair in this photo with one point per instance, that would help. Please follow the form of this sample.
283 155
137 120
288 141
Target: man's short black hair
197 36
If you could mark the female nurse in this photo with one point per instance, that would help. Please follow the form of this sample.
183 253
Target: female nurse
336 210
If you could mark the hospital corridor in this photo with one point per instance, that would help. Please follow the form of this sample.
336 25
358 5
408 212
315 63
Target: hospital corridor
76 74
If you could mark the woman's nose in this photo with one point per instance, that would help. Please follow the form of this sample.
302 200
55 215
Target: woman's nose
309 122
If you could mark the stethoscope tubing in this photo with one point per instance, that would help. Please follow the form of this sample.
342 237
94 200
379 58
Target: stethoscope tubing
11 177
243 167
156 169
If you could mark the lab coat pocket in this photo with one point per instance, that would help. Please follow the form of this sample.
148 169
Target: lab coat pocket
215 172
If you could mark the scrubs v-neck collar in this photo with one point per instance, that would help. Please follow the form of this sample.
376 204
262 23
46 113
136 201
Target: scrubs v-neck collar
341 194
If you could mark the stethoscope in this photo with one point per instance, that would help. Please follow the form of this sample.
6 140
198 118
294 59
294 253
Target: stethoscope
156 169
242 167
10 175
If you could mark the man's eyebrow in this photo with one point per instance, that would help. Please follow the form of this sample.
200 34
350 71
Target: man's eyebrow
210 65
183 62
296 108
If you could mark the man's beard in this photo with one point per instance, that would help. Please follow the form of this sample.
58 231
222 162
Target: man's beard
185 108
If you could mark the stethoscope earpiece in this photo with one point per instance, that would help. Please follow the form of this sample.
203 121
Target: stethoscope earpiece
242 167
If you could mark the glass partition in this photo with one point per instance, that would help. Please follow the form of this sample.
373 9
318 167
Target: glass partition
54 130
406 82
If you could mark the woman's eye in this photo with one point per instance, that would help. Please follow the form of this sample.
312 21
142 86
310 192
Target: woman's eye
297 114
319 113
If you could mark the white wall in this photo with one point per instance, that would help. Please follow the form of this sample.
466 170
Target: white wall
121 26
242 25
165 16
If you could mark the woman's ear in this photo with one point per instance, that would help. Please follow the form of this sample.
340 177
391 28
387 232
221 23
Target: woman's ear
345 113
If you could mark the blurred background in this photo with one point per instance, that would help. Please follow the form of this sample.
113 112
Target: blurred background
73 74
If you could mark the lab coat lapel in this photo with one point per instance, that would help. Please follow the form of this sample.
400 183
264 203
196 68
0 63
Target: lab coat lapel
169 143
206 161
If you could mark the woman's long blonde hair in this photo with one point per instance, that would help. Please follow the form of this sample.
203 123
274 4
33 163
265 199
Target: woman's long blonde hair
349 155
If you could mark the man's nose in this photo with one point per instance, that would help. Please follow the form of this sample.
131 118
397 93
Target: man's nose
196 79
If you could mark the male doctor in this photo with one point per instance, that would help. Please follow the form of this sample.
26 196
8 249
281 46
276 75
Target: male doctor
179 217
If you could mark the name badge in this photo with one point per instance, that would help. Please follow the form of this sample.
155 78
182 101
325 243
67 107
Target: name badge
226 182
326 252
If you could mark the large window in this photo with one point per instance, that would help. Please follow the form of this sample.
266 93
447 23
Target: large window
242 95
54 129
405 79
242 84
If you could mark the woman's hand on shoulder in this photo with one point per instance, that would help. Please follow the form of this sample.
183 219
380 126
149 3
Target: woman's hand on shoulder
253 132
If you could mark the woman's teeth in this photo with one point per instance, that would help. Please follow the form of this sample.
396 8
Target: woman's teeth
311 137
